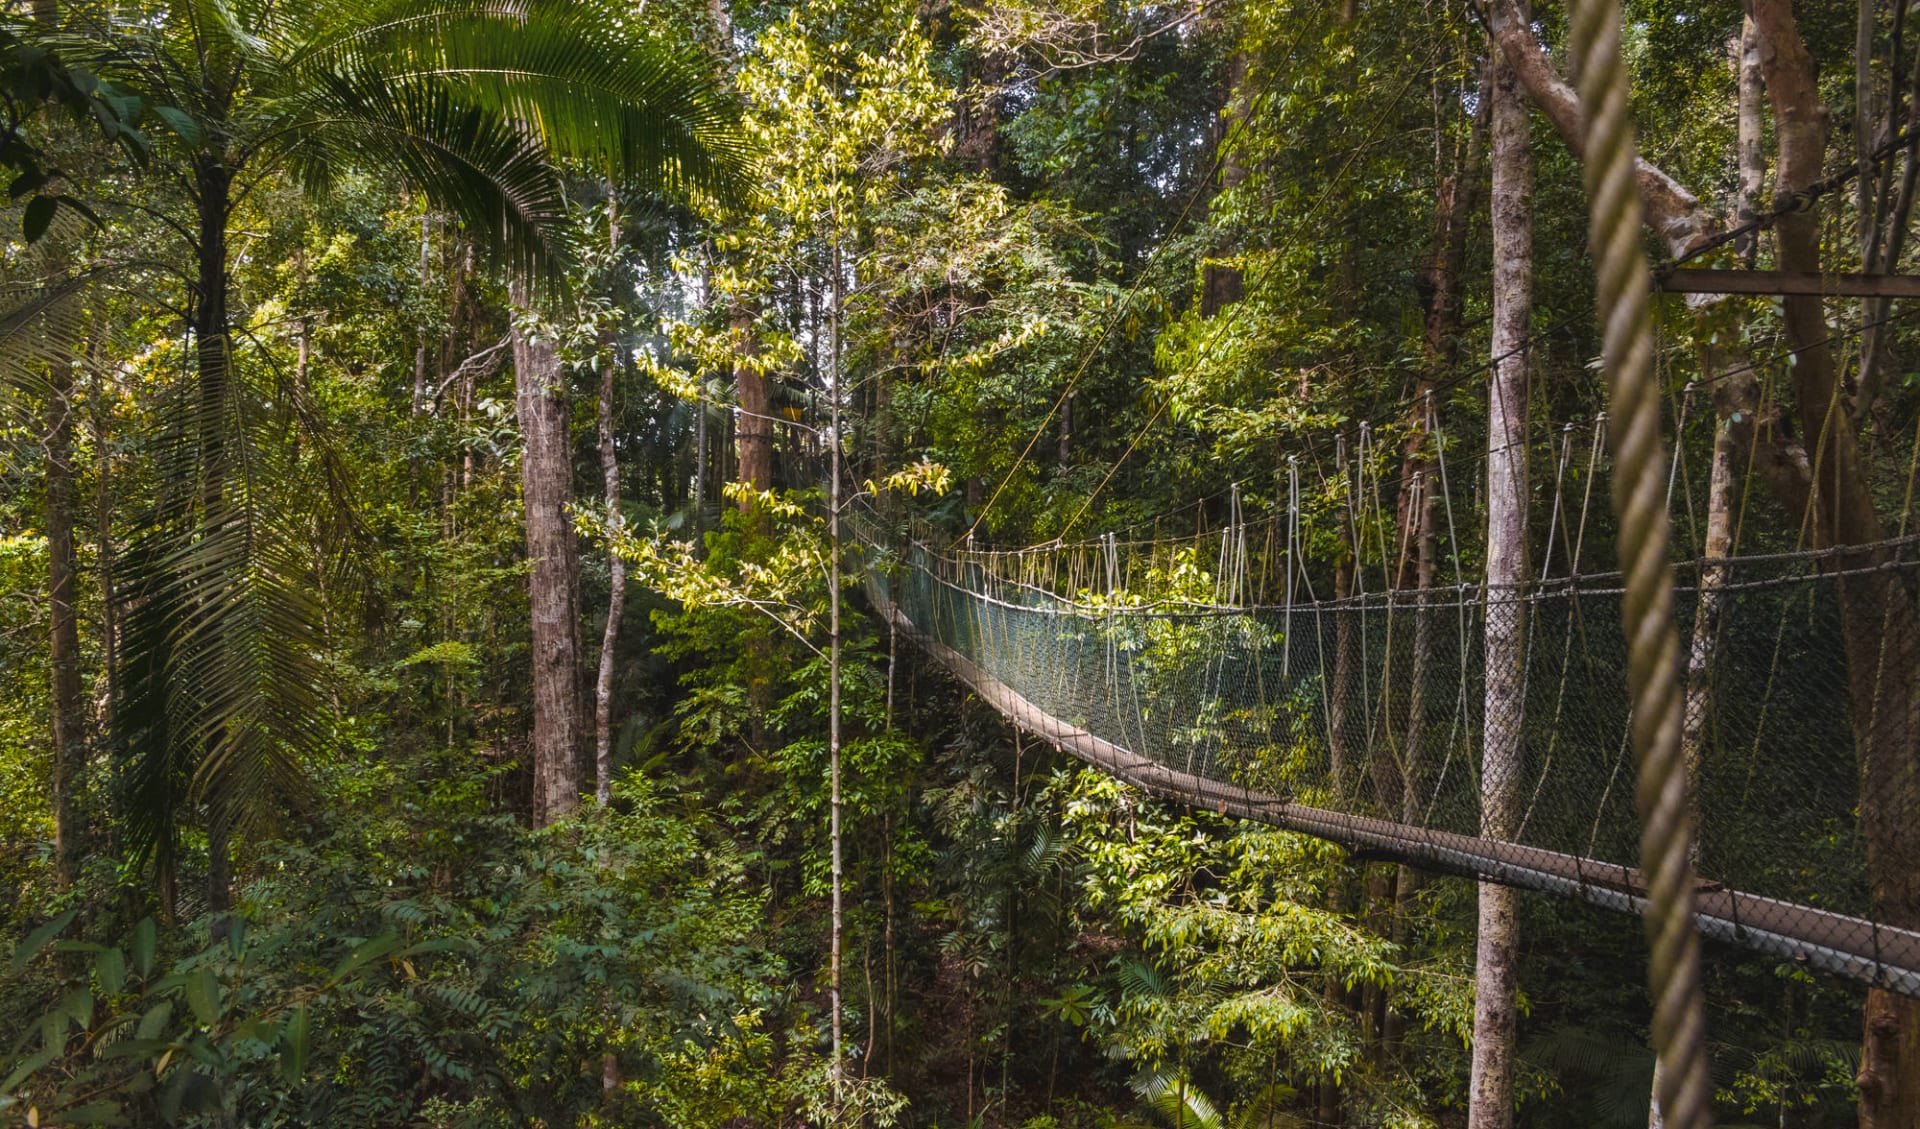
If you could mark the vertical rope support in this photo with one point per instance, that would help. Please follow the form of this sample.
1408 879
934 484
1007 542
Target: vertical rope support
1679 1014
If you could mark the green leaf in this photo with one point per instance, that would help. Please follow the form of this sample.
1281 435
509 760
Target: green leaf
110 966
145 938
136 1048
27 1068
79 1005
203 995
74 203
180 122
93 1113
29 181
366 953
293 1046
38 217
155 1021
37 940
449 653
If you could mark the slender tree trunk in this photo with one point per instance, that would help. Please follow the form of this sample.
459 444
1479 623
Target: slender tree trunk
754 433
1222 284
419 399
1735 398
1456 203
63 566
1884 235
1749 129
616 567
699 459
1346 677
1491 1099
1346 657
546 484
753 446
103 543
1064 449
833 705
1425 631
213 345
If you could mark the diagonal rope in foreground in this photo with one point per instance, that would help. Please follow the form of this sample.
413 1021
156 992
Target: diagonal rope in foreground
1684 1091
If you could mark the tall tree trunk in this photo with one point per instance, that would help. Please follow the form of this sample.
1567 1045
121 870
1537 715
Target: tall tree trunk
1749 131
1735 399
1878 618
103 541
616 567
1221 283
1490 1098
213 347
419 398
838 444
1457 200
1346 671
546 485
1346 678
1883 233
1414 776
754 434
69 726
1064 448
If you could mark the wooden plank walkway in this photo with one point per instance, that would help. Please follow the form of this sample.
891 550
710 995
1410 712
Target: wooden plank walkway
1847 946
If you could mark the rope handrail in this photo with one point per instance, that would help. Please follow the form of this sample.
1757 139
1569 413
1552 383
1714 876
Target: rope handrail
1838 943
1598 583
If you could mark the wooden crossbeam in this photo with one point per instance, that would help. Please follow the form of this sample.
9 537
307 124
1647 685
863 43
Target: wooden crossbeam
1704 280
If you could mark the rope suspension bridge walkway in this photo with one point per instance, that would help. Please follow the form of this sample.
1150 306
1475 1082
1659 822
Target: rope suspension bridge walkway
1357 720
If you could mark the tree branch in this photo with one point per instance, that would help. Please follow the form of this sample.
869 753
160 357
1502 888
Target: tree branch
1672 212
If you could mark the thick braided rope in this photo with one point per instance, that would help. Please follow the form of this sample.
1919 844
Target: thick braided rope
1679 1016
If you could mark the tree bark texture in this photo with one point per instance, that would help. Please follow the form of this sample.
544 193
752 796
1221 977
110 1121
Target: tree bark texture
616 566
1879 621
213 344
1457 198
1490 1098
69 725
546 485
1750 126
754 435
1673 212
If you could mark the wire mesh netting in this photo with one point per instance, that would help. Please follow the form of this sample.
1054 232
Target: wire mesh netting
1378 721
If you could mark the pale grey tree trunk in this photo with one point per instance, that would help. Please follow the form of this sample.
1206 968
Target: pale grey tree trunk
616 567
1735 396
834 673
1490 1097
546 485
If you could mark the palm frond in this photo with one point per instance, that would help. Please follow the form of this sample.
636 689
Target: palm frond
470 161
45 318
1176 1101
590 84
223 697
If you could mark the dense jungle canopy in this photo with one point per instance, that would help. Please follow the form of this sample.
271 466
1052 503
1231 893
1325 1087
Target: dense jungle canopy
453 453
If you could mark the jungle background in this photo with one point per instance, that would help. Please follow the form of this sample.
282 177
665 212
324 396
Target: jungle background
413 699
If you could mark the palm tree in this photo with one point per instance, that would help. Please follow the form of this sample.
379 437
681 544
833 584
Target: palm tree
471 102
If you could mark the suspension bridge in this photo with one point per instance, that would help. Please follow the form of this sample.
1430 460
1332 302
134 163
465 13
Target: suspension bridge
1213 670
